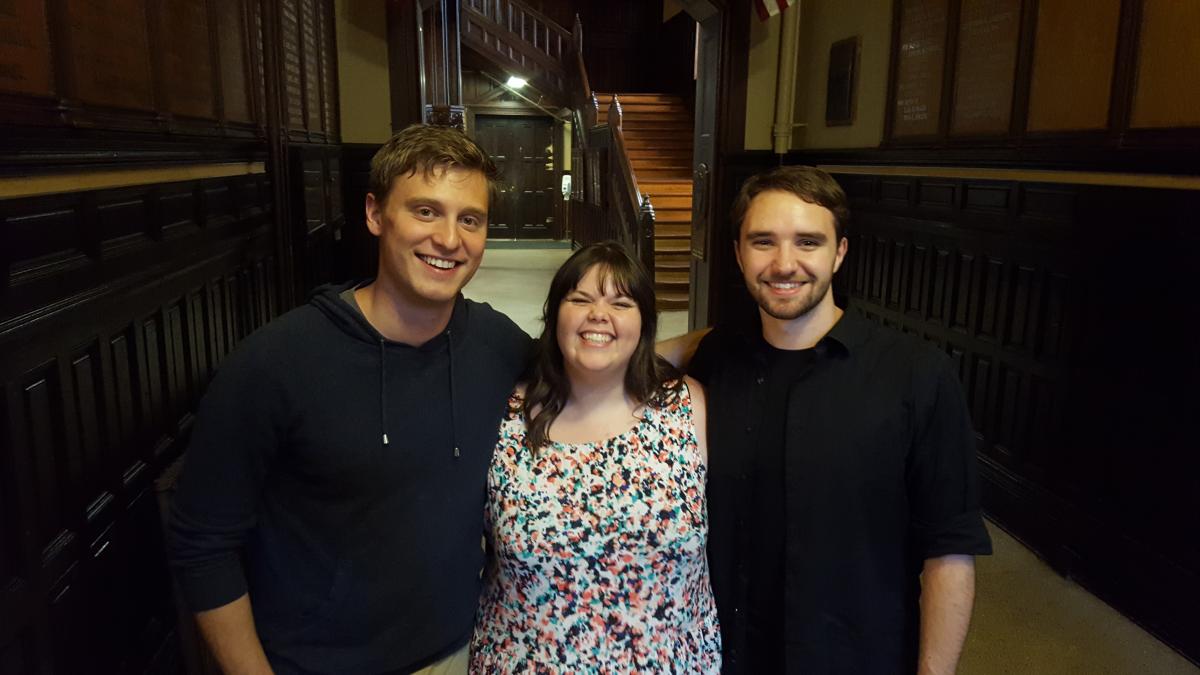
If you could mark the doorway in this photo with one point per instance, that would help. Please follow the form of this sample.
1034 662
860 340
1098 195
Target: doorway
523 150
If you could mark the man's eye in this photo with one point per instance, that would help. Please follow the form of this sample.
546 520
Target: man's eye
761 242
425 212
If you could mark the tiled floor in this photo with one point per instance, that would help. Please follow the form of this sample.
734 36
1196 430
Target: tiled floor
1028 620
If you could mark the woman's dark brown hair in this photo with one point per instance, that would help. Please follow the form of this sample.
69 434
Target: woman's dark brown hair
647 376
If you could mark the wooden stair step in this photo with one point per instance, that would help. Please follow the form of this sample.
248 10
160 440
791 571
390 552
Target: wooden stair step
676 217
670 277
671 300
651 174
668 230
672 264
666 202
672 245
682 155
641 166
677 186
641 98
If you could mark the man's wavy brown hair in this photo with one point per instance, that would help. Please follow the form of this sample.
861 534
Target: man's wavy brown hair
429 150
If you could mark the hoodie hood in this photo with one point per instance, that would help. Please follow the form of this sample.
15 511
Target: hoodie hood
351 321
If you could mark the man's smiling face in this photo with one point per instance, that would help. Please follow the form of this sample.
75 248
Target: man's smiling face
789 251
432 230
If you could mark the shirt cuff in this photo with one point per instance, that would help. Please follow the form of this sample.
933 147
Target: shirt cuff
213 584
962 535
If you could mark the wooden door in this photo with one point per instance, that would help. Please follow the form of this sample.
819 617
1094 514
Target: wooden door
523 150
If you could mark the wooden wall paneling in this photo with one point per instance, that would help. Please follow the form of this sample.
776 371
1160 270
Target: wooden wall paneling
184 56
985 67
109 50
1075 49
233 56
25 57
258 58
1166 92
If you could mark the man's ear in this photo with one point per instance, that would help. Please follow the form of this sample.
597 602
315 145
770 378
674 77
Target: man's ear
374 210
843 246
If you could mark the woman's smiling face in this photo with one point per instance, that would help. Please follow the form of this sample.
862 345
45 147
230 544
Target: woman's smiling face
598 327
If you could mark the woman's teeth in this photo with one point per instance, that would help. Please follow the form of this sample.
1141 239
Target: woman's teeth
597 338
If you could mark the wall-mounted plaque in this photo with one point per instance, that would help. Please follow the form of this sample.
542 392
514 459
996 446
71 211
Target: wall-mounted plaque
988 32
110 52
186 58
920 61
841 83
25 48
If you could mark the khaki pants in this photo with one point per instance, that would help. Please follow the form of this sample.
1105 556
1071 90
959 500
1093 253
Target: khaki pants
455 664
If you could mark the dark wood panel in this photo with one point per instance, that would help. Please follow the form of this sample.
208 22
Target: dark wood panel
25 58
100 373
185 66
109 52
233 53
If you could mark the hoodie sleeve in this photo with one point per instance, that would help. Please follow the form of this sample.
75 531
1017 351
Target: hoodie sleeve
239 429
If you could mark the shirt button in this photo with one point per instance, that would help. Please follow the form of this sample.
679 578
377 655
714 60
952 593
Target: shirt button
747 428
759 380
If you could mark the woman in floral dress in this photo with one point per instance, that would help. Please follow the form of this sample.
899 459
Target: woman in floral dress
596 508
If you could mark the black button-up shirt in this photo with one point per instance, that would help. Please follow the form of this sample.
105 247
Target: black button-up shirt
879 474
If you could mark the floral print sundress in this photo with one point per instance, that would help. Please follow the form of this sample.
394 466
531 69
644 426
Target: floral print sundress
599 553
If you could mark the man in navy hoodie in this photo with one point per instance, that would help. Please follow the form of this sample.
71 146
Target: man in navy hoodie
329 515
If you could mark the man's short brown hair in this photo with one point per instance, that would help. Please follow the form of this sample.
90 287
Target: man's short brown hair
428 150
806 182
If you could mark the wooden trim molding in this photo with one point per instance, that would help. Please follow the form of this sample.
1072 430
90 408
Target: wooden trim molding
33 186
1139 180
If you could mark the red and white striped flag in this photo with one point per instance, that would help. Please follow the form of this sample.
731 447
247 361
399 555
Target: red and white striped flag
769 8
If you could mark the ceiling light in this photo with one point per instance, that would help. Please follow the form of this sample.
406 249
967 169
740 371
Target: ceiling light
516 82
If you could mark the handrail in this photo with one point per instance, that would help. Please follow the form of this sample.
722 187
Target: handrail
612 206
547 36
515 41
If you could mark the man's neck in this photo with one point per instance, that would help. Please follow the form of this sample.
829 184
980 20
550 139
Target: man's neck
398 319
803 332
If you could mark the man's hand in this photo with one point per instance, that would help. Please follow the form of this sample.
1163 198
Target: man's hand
947 596
679 350
230 634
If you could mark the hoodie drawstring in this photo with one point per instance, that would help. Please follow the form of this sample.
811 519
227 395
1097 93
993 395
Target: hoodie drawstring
383 390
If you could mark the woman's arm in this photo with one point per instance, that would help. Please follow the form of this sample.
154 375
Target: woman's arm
699 415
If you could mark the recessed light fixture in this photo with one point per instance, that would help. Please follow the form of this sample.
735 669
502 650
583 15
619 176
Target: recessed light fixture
516 82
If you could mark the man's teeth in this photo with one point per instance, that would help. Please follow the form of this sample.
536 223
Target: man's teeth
785 285
598 338
438 262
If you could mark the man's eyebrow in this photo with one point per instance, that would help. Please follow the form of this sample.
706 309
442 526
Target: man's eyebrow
413 202
478 213
754 234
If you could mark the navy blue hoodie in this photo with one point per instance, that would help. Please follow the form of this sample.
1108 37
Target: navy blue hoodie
339 478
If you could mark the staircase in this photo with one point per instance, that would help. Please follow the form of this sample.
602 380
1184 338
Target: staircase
658 137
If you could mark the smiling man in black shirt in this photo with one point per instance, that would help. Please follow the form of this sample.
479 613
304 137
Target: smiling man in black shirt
844 511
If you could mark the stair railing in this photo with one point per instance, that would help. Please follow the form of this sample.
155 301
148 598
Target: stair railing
519 36
609 206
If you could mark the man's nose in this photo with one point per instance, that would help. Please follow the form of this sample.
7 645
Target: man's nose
784 261
445 233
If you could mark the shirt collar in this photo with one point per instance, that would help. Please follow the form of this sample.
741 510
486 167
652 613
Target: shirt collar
849 333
